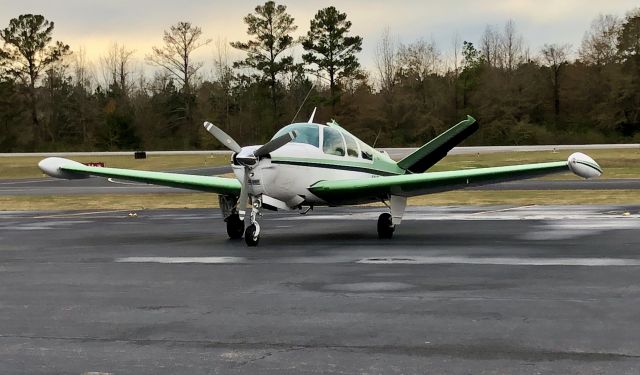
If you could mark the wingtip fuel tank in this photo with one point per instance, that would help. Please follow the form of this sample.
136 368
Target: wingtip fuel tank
52 167
584 166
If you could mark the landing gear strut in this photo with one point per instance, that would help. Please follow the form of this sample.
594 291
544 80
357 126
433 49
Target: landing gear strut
235 226
252 234
385 226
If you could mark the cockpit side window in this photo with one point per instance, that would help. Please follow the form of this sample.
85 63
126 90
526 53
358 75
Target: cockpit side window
352 146
332 143
306 133
366 151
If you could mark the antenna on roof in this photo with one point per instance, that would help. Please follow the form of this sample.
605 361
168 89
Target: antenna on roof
304 101
377 135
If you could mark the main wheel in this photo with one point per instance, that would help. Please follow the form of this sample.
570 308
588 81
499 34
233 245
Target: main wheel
250 236
385 226
235 227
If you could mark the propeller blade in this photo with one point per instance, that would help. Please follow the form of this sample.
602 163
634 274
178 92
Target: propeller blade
223 137
244 194
275 144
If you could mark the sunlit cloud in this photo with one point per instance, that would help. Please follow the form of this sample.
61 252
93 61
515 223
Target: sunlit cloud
95 25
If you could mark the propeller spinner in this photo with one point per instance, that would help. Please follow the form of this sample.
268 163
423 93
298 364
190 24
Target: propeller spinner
247 157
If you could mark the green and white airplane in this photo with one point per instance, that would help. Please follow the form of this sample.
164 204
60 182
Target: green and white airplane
309 164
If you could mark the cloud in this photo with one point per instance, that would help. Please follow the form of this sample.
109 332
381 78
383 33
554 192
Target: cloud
139 24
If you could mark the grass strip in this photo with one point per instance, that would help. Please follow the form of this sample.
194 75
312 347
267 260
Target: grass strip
27 166
135 202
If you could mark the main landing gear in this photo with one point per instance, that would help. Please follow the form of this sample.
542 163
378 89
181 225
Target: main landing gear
387 221
235 226
385 226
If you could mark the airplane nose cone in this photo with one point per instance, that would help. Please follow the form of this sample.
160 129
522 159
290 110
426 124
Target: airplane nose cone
246 157
247 161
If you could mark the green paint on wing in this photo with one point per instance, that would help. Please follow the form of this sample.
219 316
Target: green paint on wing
363 190
219 185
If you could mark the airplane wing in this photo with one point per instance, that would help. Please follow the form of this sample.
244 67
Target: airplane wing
367 190
69 169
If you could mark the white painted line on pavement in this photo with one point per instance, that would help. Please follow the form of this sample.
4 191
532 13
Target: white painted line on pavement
63 215
181 260
28 181
502 209
586 262
417 260
114 181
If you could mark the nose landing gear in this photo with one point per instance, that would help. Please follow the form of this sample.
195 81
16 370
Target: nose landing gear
252 233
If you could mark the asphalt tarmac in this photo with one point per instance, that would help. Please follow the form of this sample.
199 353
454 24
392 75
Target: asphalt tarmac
459 290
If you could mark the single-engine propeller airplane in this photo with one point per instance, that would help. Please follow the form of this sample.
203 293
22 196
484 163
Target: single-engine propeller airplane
310 164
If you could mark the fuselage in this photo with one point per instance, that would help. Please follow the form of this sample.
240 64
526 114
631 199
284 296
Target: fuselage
318 153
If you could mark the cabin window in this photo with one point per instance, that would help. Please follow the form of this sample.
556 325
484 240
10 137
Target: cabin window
366 151
332 143
306 133
352 146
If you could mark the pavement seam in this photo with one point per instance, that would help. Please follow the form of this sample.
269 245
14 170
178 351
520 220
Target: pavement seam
427 350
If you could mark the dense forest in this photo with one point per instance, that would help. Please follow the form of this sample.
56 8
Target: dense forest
52 98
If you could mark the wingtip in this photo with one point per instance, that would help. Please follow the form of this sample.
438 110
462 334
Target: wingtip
52 166
584 166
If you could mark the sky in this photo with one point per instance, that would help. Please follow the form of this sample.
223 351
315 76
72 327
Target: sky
94 25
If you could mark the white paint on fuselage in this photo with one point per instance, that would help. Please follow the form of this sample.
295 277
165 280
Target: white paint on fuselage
285 182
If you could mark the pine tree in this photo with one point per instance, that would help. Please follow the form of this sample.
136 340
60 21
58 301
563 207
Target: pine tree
331 49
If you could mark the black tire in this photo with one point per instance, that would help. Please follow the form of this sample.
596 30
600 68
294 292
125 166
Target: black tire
385 226
249 236
235 227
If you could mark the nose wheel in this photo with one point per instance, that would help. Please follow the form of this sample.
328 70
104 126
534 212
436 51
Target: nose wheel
252 233
385 226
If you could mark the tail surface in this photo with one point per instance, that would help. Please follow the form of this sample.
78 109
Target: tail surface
429 154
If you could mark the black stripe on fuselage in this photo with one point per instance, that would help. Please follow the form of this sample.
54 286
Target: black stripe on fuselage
589 165
335 166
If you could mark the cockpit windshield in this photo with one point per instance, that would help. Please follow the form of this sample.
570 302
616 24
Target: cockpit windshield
306 133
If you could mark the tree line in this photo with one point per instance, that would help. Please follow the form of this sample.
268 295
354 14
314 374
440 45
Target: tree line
53 98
